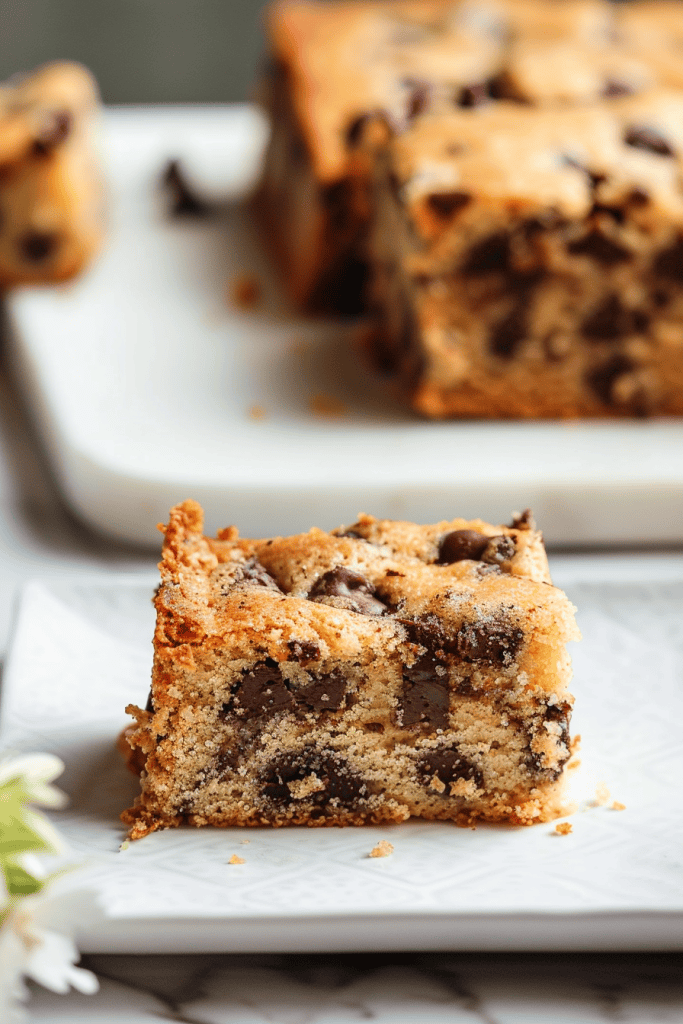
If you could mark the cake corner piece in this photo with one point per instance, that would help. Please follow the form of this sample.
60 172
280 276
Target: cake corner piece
362 675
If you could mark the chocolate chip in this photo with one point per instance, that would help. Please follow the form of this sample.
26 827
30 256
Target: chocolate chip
491 254
303 650
225 762
253 572
493 642
610 320
638 197
459 545
325 692
393 572
643 137
449 766
184 200
339 783
37 246
498 550
506 335
262 689
595 178
473 95
616 87
373 727
425 695
524 521
55 129
600 248
356 592
149 706
418 98
616 213
352 533
445 205
428 631
603 378
669 262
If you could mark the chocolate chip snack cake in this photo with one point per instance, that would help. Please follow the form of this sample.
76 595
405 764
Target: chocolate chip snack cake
522 244
51 197
364 675
530 262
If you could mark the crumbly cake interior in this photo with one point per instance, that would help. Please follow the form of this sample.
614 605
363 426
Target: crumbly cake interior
537 269
364 675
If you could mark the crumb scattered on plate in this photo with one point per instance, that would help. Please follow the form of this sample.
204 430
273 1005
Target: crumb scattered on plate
124 845
617 806
564 828
326 405
245 842
383 849
257 412
236 860
245 291
602 794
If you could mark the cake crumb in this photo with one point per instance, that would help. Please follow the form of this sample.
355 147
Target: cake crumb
236 860
437 784
326 405
383 849
124 845
618 806
245 842
257 412
245 291
602 795
564 828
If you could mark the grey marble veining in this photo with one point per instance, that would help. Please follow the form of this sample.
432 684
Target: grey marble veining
387 989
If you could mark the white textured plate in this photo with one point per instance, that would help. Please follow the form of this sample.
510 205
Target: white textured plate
82 651
141 376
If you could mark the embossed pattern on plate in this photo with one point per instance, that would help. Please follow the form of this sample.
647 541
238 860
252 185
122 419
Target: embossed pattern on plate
82 651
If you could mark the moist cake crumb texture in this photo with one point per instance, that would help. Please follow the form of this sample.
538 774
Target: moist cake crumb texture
363 675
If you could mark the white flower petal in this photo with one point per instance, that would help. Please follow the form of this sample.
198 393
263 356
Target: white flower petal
37 771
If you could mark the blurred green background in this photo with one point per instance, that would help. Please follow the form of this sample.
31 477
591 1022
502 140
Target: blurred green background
141 51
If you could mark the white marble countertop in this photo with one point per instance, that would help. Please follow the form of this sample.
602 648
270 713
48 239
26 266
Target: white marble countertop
39 538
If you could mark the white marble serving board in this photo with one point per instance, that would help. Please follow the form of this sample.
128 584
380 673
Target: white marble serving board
81 652
142 374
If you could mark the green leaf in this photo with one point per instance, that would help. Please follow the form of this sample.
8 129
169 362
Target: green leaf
19 882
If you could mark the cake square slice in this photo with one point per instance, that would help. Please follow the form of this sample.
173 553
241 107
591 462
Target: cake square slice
51 189
529 262
363 675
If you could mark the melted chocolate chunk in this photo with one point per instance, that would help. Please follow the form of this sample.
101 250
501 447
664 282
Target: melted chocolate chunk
599 247
303 650
449 766
445 205
339 783
37 246
325 692
595 178
54 130
149 706
425 694
507 334
184 200
459 545
262 689
494 642
603 378
473 95
638 197
226 761
418 98
428 632
499 549
641 136
356 591
669 262
560 713
254 572
616 87
612 320
491 254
